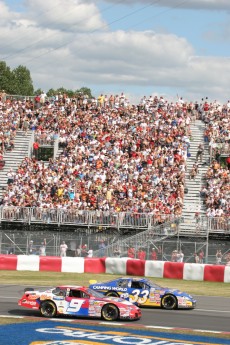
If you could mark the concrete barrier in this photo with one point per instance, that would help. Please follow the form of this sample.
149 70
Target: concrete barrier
120 266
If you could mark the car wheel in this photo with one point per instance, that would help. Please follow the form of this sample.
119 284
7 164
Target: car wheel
48 309
169 302
110 312
112 294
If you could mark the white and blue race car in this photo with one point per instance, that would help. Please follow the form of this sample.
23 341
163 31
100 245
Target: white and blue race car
144 292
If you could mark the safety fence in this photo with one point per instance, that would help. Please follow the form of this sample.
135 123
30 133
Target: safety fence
124 266
150 245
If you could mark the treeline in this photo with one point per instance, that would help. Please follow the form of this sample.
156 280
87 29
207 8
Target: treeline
19 82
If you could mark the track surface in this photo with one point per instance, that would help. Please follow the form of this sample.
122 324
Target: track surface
212 313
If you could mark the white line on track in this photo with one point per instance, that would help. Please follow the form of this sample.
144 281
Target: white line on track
12 317
206 331
214 310
111 323
159 327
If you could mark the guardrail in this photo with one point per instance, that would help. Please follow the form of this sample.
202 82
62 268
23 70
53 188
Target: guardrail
107 219
81 217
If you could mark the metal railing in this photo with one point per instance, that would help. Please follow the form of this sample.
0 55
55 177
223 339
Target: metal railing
223 148
81 217
107 219
145 239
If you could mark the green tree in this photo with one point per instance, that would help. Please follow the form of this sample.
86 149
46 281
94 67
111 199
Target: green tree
38 92
85 91
23 81
51 93
6 78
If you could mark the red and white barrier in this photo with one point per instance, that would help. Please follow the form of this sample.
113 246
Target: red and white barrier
119 266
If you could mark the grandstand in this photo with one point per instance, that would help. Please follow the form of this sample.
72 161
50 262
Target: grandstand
113 174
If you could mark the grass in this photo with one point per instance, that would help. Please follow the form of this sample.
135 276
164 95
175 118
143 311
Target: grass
29 278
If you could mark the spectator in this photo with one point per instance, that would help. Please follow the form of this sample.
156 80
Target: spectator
227 259
32 248
42 248
131 252
25 126
35 149
78 251
200 152
10 176
63 249
198 221
153 255
101 249
141 255
174 256
201 256
116 252
196 258
84 251
180 256
90 253
218 257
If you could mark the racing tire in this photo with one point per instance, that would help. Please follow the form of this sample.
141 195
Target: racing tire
112 294
169 302
48 309
110 312
28 289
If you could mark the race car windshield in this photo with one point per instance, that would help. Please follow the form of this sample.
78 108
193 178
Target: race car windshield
151 284
58 292
95 293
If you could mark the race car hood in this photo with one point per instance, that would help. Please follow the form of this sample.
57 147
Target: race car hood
176 292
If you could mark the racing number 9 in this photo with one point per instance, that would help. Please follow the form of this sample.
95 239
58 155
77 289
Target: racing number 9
75 305
139 296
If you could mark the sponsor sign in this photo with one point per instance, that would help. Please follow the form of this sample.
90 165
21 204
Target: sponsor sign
59 333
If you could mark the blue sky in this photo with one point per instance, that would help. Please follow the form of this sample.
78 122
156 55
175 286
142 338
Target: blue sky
166 47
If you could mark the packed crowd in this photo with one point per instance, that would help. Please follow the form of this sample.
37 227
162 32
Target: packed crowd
217 189
116 156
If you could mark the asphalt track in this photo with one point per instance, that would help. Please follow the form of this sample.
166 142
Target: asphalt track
211 313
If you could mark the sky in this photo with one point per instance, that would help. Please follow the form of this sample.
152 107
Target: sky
170 48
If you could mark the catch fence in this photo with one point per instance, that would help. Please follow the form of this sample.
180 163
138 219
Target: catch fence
106 245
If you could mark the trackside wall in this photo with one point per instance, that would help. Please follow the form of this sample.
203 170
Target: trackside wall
120 266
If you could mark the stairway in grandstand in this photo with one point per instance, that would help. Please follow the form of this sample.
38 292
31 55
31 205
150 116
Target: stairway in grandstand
192 200
13 158
145 239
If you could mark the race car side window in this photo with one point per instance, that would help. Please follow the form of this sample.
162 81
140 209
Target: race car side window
78 294
75 293
137 285
122 283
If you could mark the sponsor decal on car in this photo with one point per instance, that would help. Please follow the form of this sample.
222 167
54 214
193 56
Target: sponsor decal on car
110 288
33 297
43 297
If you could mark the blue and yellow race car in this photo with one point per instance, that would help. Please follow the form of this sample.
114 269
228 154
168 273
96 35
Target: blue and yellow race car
144 292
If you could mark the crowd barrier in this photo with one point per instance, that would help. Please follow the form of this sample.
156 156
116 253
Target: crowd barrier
119 266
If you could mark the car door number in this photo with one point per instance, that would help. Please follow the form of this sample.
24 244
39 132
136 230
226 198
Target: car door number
75 305
139 296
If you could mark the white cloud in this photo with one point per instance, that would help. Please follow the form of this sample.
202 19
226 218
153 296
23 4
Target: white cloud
122 59
65 15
